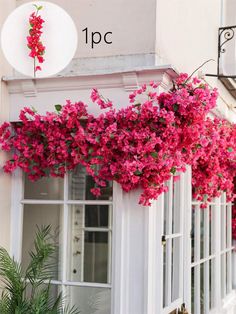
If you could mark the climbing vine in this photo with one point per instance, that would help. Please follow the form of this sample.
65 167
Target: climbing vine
142 144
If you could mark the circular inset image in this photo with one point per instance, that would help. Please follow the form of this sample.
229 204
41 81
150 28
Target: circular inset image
39 39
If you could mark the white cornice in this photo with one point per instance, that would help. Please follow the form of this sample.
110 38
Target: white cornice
129 80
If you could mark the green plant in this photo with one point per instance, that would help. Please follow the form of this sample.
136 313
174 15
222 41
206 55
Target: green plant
29 291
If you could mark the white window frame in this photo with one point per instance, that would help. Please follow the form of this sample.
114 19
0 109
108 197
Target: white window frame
137 251
17 209
219 235
136 278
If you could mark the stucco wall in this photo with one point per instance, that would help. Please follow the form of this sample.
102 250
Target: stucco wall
5 180
187 36
178 32
131 22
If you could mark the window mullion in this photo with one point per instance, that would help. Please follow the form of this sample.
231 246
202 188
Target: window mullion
217 248
65 230
206 264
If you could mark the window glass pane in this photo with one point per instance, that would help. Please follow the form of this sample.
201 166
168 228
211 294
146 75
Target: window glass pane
228 272
223 227
41 215
90 300
168 208
164 276
202 303
211 283
80 184
192 290
96 215
223 275
194 208
176 260
177 210
96 257
202 231
88 250
45 188
54 291
210 229
229 226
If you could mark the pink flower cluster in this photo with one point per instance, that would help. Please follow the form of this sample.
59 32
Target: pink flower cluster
34 42
142 145
215 169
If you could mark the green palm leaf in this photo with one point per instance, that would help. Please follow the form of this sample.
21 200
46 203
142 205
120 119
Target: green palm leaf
30 292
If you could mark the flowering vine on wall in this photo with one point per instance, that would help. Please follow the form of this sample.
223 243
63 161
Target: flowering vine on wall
34 43
142 145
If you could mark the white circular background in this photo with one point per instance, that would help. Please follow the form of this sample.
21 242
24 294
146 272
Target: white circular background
59 37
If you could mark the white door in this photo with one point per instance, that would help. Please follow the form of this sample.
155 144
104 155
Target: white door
175 243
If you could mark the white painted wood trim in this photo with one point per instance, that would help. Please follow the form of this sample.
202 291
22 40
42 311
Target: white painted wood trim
16 215
187 237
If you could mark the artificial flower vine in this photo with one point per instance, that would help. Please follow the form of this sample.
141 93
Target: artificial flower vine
141 145
34 43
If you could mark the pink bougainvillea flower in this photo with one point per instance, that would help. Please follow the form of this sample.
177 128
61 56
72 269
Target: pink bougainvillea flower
34 43
142 145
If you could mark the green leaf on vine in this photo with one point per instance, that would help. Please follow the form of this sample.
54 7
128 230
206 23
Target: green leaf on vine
176 107
154 154
137 172
58 107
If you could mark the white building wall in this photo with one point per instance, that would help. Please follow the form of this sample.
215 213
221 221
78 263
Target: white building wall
182 33
187 36
131 22
5 180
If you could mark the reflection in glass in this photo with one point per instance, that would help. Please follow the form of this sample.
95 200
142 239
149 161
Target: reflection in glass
223 275
44 189
90 300
211 283
176 260
194 208
202 290
192 290
96 257
164 276
96 216
202 232
80 184
40 215
229 272
176 207
223 227
89 248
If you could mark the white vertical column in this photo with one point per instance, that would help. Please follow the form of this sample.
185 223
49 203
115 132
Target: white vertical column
130 253
137 250
16 214
155 276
